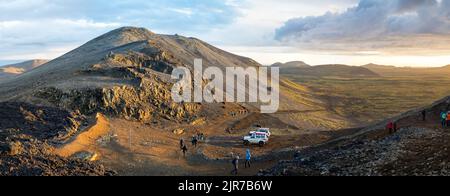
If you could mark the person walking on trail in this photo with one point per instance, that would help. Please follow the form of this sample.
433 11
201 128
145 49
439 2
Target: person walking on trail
395 126
184 149
181 143
194 141
390 127
424 115
248 157
235 163
444 119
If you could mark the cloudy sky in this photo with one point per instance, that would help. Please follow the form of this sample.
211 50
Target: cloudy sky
394 32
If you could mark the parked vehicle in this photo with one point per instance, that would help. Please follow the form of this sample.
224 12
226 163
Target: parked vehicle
259 138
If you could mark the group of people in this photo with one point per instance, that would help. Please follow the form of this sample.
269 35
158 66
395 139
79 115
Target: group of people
195 139
445 119
392 127
444 116
235 162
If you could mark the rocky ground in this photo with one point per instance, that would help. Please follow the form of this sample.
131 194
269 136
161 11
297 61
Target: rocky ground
26 135
412 151
24 156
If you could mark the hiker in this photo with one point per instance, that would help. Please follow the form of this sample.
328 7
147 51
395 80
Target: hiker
444 119
181 143
184 149
235 163
395 127
194 141
390 127
424 115
448 119
202 137
248 157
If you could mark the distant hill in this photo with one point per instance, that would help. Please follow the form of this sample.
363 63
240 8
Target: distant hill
334 70
393 71
12 70
292 64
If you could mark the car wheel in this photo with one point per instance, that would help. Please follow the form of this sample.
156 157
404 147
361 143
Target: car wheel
261 144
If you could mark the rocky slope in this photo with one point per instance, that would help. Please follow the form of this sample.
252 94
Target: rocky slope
418 148
26 135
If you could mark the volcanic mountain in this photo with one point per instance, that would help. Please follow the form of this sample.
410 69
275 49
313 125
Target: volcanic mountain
126 73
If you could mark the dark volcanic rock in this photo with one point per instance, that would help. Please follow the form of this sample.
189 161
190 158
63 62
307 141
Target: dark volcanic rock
38 121
26 129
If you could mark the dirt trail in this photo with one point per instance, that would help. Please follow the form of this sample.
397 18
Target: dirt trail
133 148
86 141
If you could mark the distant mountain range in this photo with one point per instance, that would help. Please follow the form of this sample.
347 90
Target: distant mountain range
8 71
369 70
388 70
336 70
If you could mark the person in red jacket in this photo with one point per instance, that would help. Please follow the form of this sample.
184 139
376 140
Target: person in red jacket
390 127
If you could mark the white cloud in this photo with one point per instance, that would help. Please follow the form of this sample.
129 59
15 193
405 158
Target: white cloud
48 38
33 28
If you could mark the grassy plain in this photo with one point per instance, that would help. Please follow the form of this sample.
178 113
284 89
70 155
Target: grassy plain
367 100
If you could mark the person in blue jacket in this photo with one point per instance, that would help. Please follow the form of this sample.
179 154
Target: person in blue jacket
248 157
444 119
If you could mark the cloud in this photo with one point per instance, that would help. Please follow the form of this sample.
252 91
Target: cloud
418 26
36 28
162 14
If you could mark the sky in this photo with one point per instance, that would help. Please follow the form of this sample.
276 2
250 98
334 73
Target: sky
354 32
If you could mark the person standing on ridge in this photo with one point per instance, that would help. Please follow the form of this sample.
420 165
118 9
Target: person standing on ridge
424 115
390 127
448 119
248 157
443 119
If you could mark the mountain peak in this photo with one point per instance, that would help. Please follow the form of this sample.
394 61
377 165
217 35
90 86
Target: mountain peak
121 36
128 30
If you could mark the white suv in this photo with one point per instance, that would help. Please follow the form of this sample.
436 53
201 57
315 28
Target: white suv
256 138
